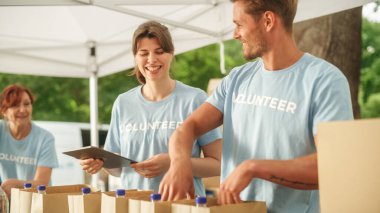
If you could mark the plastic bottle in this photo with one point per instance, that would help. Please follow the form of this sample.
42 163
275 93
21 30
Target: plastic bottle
209 193
155 197
4 202
41 189
120 193
86 191
27 185
201 201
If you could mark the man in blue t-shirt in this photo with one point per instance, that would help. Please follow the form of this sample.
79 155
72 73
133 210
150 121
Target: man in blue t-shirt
270 109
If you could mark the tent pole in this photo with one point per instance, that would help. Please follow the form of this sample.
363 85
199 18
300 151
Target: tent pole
222 61
93 69
94 109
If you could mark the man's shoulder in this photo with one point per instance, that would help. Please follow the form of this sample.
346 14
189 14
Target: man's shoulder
321 67
315 61
251 67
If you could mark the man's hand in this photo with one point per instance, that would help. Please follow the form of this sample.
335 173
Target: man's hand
154 166
178 181
235 183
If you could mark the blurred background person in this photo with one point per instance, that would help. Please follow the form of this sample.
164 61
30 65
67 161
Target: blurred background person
144 117
27 152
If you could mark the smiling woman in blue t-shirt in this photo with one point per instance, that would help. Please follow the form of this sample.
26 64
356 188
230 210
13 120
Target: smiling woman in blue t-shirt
144 117
27 152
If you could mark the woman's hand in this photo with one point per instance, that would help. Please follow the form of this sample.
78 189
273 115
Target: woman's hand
8 184
91 166
154 166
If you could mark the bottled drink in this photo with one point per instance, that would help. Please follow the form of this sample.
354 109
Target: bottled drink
120 193
201 202
4 202
209 193
41 189
155 197
86 190
27 185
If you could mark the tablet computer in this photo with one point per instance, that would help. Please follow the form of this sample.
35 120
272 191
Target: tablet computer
110 159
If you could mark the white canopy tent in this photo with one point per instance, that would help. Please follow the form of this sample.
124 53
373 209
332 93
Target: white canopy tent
92 38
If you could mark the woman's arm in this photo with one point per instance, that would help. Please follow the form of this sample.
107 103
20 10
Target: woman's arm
202 167
209 165
42 177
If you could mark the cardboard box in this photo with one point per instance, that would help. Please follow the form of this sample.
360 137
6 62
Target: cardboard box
211 182
211 185
56 198
213 207
90 203
21 200
113 204
145 205
349 166
182 206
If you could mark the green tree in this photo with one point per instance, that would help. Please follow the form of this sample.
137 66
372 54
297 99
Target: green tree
197 67
369 98
67 99
57 99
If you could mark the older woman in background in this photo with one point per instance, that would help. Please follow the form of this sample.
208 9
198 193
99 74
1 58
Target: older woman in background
27 152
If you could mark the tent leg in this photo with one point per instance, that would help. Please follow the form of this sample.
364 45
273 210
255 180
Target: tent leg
94 110
93 69
222 61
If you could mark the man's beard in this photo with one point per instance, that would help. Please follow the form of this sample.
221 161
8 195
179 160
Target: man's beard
253 54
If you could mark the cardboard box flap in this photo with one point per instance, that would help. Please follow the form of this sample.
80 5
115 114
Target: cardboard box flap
245 207
84 204
188 206
113 204
56 198
68 189
348 166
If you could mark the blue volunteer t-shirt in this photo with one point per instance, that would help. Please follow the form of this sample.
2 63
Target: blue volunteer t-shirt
274 115
20 158
140 129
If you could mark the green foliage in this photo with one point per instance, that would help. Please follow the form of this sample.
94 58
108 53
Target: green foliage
372 107
67 99
370 42
197 67
57 99
370 70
